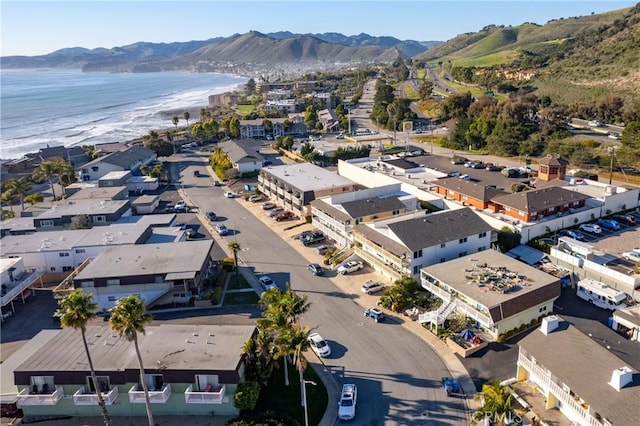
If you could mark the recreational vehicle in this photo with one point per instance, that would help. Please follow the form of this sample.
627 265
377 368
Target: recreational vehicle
601 295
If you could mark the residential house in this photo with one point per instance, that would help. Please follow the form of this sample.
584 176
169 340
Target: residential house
57 253
73 155
150 270
129 159
189 370
305 86
295 186
102 212
578 376
16 282
534 205
282 106
329 120
265 86
337 215
401 246
244 155
278 94
497 292
88 191
468 193
254 129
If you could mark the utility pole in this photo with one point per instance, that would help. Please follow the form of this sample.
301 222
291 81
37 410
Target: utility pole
612 152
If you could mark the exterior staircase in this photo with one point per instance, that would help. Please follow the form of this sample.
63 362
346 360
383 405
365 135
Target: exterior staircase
437 317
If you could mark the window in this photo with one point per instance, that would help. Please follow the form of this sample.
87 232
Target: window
42 384
416 269
95 168
52 269
80 250
63 254
543 309
155 382
417 254
552 209
103 383
482 235
442 260
443 245
203 381
483 248
111 298
85 284
47 222
462 240
99 219
462 253
520 213
113 281
67 268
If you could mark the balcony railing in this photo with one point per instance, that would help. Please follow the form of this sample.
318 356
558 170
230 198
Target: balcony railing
213 396
136 394
18 286
27 398
81 397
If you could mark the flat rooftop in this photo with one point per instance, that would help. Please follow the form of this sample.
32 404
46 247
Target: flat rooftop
307 176
168 346
90 207
144 259
490 277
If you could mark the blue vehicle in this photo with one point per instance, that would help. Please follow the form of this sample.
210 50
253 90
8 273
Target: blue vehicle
609 224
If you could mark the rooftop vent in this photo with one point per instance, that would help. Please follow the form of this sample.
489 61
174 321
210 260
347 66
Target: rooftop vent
620 377
549 324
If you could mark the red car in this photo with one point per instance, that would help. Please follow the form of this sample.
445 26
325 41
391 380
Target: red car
284 216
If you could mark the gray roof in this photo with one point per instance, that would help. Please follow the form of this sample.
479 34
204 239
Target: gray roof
80 207
170 346
553 160
585 366
437 228
307 176
401 163
389 244
371 206
470 189
144 259
238 150
125 158
540 199
330 210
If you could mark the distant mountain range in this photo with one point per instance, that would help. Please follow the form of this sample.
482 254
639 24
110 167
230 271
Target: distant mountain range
253 50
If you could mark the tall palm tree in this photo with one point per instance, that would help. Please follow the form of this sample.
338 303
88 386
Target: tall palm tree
128 318
235 247
186 116
294 341
66 173
175 120
76 309
20 187
47 170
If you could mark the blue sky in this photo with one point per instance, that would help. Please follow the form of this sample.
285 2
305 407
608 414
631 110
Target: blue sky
40 27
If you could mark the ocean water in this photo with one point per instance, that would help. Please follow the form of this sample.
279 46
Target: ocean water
69 107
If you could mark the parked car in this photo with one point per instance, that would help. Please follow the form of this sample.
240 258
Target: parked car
275 211
457 161
350 266
315 269
590 228
211 216
268 205
576 235
190 233
464 177
627 219
371 287
222 230
319 345
347 403
179 209
374 313
454 174
324 249
267 283
284 216
478 165
595 123
614 136
313 238
181 204
196 173
256 198
631 256
229 194
493 168
609 224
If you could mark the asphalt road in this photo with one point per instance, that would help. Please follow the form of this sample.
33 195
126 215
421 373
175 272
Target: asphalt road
398 376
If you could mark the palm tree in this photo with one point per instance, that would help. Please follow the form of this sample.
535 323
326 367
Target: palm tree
170 139
294 341
175 120
76 309
128 318
66 173
497 400
235 247
20 187
186 116
47 170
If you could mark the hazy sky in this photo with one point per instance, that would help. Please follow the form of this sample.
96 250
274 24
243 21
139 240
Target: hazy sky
40 27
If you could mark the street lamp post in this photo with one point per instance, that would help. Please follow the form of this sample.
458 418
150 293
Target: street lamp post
304 399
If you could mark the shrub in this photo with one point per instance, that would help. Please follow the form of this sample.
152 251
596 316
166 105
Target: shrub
246 396
501 338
